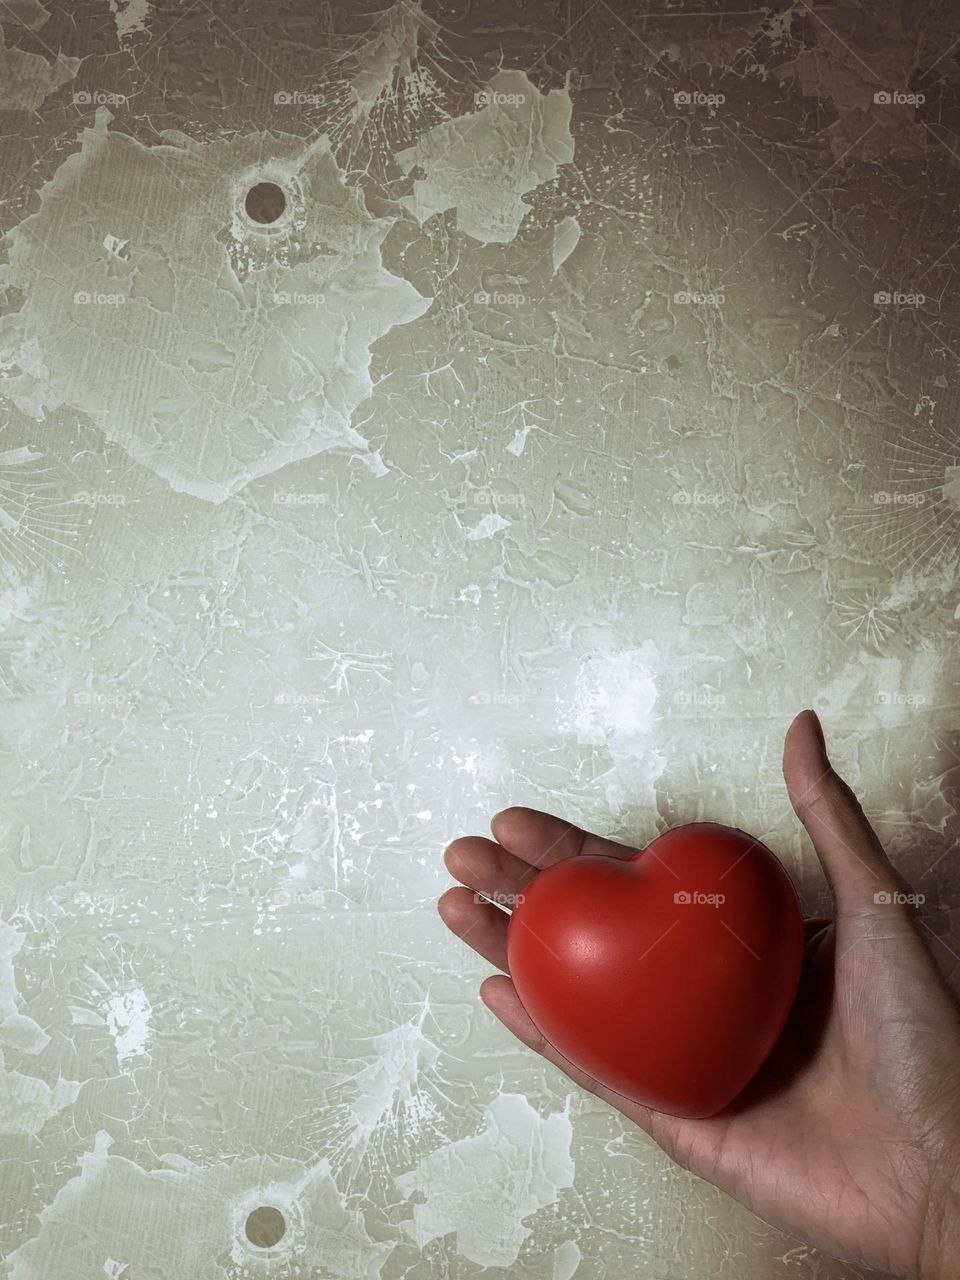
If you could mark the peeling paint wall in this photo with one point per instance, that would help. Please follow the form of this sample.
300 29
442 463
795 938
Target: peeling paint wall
407 411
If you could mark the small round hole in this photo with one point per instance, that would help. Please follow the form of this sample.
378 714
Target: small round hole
265 202
265 1226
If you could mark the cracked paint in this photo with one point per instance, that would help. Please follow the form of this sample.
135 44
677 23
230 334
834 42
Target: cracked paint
297 313
573 404
525 1160
482 164
195 1216
27 1102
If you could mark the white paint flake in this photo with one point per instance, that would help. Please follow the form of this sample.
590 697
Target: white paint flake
26 1102
28 79
519 442
128 1018
16 1029
483 1188
566 237
483 163
198 1212
252 347
566 1260
389 67
130 17
488 526
115 246
389 1088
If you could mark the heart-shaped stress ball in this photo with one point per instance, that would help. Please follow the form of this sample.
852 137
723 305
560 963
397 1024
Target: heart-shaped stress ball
668 975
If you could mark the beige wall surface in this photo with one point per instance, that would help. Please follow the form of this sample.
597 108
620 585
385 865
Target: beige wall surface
582 408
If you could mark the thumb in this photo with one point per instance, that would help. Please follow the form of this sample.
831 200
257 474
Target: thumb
861 877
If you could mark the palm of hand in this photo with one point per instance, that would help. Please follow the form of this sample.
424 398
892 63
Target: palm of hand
829 1141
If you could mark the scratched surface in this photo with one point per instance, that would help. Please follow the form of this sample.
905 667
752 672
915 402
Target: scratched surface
575 402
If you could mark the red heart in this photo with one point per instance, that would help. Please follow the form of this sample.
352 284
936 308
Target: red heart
667 976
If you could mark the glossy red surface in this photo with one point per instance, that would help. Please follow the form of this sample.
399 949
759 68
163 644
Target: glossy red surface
668 976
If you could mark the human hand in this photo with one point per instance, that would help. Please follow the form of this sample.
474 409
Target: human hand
849 1136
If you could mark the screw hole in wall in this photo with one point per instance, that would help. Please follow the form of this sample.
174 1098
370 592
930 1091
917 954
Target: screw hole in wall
265 202
265 1226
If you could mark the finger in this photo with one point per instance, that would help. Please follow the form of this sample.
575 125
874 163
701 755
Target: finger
861 877
542 839
480 925
482 865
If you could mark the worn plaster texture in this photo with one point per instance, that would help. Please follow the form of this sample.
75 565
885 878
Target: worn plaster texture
588 408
